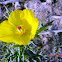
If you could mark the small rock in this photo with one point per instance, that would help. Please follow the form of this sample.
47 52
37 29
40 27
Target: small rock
44 40
57 8
17 5
57 22
0 13
49 1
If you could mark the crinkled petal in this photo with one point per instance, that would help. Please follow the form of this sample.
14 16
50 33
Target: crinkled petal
14 17
22 40
6 31
28 16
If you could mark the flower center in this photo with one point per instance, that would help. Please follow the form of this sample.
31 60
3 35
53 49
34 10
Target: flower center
19 27
20 30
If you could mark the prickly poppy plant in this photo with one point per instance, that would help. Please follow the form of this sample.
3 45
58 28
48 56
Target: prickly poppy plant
20 27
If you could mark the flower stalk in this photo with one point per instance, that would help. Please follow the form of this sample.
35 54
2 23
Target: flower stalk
19 57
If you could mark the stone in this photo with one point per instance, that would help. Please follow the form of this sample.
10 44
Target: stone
57 8
0 13
49 1
57 22
17 6
14 0
44 40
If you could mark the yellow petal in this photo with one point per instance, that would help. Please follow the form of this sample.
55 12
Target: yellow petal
22 40
14 17
6 31
34 27
27 17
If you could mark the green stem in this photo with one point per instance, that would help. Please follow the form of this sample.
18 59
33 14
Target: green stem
23 55
16 59
19 57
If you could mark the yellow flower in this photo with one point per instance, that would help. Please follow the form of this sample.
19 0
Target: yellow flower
20 27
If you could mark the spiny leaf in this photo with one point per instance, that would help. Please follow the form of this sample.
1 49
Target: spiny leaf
44 27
